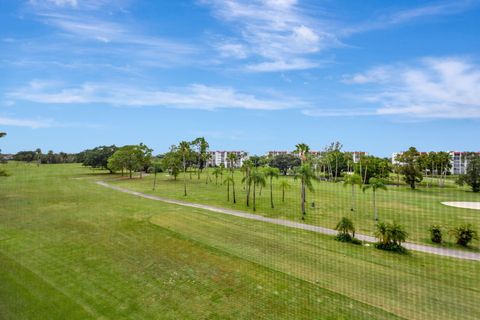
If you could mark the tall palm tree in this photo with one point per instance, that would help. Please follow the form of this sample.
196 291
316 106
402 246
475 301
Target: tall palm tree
375 184
284 184
258 179
217 172
184 149
302 149
306 175
228 180
248 180
232 159
352 180
271 173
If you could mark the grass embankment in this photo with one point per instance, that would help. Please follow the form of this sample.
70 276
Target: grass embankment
72 249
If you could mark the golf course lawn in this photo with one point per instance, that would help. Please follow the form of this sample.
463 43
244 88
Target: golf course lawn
416 209
71 249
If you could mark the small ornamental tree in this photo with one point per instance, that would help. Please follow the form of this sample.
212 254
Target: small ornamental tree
464 234
436 234
390 236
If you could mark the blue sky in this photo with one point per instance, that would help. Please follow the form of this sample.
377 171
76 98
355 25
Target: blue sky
256 75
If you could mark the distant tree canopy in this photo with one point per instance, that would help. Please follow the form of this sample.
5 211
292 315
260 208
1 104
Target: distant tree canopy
27 156
48 158
97 157
472 175
130 158
285 162
373 167
411 166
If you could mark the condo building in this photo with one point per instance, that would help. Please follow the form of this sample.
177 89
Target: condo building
221 157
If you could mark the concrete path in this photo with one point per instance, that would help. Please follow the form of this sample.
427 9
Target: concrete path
463 204
292 224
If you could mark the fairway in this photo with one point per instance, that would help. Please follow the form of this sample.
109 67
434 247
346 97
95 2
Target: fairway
69 246
417 209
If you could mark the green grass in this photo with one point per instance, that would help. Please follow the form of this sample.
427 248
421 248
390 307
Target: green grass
72 249
416 209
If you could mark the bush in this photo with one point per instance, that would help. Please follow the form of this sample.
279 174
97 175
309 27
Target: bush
344 227
464 234
390 236
436 234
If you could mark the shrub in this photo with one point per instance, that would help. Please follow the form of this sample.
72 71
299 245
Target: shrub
390 236
344 227
464 234
436 233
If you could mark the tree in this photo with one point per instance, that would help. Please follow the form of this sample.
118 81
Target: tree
436 233
306 175
411 167
184 150
258 179
271 173
464 234
345 227
232 159
390 236
373 167
131 158
472 175
172 162
247 180
38 156
202 154
98 156
217 172
375 184
285 162
27 156
302 149
284 184
155 168
352 180
3 173
228 180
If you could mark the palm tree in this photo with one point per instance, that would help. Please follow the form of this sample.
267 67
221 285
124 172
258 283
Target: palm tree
375 184
302 149
232 159
306 175
344 227
247 180
217 172
271 173
258 179
184 149
352 180
228 180
284 184
155 168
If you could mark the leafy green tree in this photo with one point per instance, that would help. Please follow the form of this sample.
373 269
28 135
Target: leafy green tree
352 180
258 179
464 234
375 184
184 150
345 227
285 162
284 184
302 149
3 173
271 173
27 156
472 175
98 156
411 167
172 162
390 236
201 145
306 175
131 158
436 234
373 167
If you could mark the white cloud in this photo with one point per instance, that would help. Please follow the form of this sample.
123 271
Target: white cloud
34 124
58 3
196 96
276 32
447 88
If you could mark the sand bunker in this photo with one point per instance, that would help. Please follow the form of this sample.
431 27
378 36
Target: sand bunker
463 204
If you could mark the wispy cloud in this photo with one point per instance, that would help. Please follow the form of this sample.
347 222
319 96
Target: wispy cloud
30 123
447 88
276 32
195 96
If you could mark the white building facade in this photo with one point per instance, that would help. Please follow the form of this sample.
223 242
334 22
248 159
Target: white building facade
356 155
221 157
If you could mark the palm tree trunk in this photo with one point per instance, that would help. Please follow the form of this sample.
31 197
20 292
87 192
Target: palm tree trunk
283 194
154 180
375 207
254 208
353 198
228 191
185 177
233 191
248 194
303 201
271 192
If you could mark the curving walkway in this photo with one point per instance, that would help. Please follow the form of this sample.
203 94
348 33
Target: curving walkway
292 224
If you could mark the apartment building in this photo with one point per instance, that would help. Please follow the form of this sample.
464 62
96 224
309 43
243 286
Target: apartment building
221 157
458 160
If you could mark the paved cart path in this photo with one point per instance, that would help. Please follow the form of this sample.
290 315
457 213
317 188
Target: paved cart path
292 224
